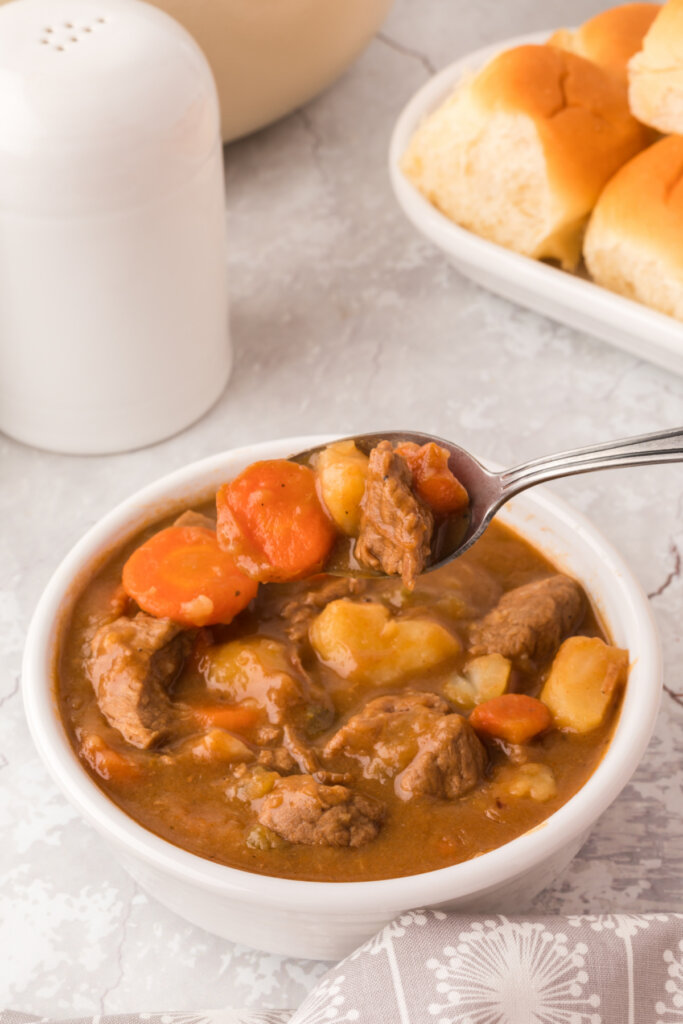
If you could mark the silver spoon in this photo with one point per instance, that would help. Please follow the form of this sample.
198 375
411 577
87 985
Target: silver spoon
489 491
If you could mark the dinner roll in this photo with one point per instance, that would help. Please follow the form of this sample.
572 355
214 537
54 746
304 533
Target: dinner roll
655 73
610 38
520 152
634 242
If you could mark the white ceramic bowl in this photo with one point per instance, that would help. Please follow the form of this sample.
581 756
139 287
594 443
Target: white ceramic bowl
326 920
565 297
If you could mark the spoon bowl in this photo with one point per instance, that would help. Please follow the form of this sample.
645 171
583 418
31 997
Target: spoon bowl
488 491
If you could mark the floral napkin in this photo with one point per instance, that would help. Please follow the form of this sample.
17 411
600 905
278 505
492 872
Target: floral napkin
171 1017
428 967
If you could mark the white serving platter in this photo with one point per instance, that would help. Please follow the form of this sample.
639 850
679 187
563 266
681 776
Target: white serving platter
567 298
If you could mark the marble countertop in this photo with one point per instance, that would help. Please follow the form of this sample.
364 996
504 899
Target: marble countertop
343 319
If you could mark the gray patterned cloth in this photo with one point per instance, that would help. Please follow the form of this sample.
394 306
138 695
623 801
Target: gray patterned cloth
170 1017
428 967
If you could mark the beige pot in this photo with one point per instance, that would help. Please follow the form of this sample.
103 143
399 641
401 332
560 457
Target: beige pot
270 56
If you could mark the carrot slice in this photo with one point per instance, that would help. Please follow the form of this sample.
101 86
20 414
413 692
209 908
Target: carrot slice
181 573
106 761
432 478
234 718
514 717
271 521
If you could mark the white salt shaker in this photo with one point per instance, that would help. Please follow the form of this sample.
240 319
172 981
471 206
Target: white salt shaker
113 291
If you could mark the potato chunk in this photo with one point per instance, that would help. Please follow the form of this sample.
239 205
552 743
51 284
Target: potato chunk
363 643
249 784
219 745
483 678
534 781
583 682
255 669
342 470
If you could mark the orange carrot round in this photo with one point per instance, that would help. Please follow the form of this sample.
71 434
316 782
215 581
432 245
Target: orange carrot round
271 521
513 717
432 478
107 762
234 718
181 573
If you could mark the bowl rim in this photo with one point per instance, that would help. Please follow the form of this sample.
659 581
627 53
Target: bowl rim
452 238
516 857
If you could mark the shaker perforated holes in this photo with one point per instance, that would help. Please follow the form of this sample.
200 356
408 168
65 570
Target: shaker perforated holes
60 37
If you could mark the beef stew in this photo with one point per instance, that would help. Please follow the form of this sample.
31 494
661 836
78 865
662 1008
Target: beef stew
335 728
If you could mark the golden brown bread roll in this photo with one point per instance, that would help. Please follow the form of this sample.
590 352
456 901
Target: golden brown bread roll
610 38
655 73
521 151
634 242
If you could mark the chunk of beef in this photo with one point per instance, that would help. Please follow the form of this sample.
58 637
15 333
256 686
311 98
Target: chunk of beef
131 664
304 757
383 736
280 760
450 762
395 527
295 755
300 610
529 623
302 810
413 738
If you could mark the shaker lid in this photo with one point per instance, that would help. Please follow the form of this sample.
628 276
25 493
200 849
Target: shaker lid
104 104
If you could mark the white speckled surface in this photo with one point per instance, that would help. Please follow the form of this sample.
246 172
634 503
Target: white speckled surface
342 320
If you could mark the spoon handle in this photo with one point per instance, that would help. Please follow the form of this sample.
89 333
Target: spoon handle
662 446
